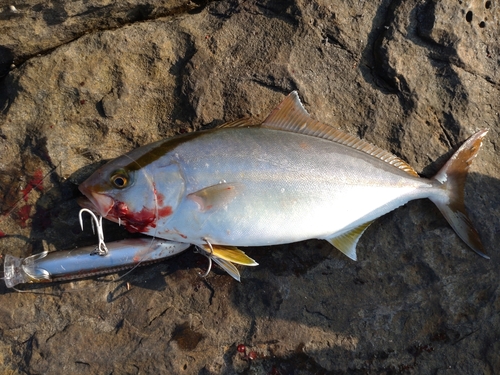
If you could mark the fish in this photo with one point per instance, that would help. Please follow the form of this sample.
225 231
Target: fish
287 179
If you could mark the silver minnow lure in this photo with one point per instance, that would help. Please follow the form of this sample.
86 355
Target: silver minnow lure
288 179
85 261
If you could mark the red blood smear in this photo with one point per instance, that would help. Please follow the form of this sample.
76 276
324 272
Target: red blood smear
120 210
159 198
134 221
24 214
36 182
2 234
138 221
165 211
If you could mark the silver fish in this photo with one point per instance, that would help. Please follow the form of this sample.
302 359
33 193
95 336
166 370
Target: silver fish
288 179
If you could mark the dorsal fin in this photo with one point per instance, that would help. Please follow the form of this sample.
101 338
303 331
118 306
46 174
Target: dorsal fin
291 116
240 123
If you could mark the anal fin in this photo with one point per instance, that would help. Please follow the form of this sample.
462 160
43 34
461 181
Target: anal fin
347 242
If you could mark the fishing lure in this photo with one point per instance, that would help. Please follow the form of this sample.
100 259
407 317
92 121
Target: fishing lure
89 260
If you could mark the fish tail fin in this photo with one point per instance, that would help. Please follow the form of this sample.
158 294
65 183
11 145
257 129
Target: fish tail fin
451 178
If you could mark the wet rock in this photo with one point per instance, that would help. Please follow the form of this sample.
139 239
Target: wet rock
93 80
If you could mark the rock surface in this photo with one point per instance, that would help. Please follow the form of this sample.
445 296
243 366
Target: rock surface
93 79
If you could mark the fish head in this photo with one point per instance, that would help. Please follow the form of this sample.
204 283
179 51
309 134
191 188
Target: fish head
135 195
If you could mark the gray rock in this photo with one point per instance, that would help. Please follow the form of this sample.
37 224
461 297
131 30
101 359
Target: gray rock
93 80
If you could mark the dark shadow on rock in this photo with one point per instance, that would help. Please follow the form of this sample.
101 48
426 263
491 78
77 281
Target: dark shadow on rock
140 12
373 64
441 57
6 60
422 19
55 15
287 11
181 69
9 89
57 213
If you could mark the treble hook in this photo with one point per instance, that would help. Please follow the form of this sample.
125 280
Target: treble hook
204 252
101 248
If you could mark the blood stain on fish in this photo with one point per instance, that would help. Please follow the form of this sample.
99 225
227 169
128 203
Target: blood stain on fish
165 211
139 221
159 198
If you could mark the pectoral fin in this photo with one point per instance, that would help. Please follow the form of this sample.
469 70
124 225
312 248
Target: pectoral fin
215 196
347 242
231 254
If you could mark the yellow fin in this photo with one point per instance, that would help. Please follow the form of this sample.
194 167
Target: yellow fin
347 242
231 254
291 116
215 196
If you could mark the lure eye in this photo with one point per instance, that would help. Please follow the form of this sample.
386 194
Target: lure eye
120 179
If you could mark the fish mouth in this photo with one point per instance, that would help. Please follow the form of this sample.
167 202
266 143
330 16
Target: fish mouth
84 202
98 203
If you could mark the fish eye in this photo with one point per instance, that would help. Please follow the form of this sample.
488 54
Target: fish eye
120 179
